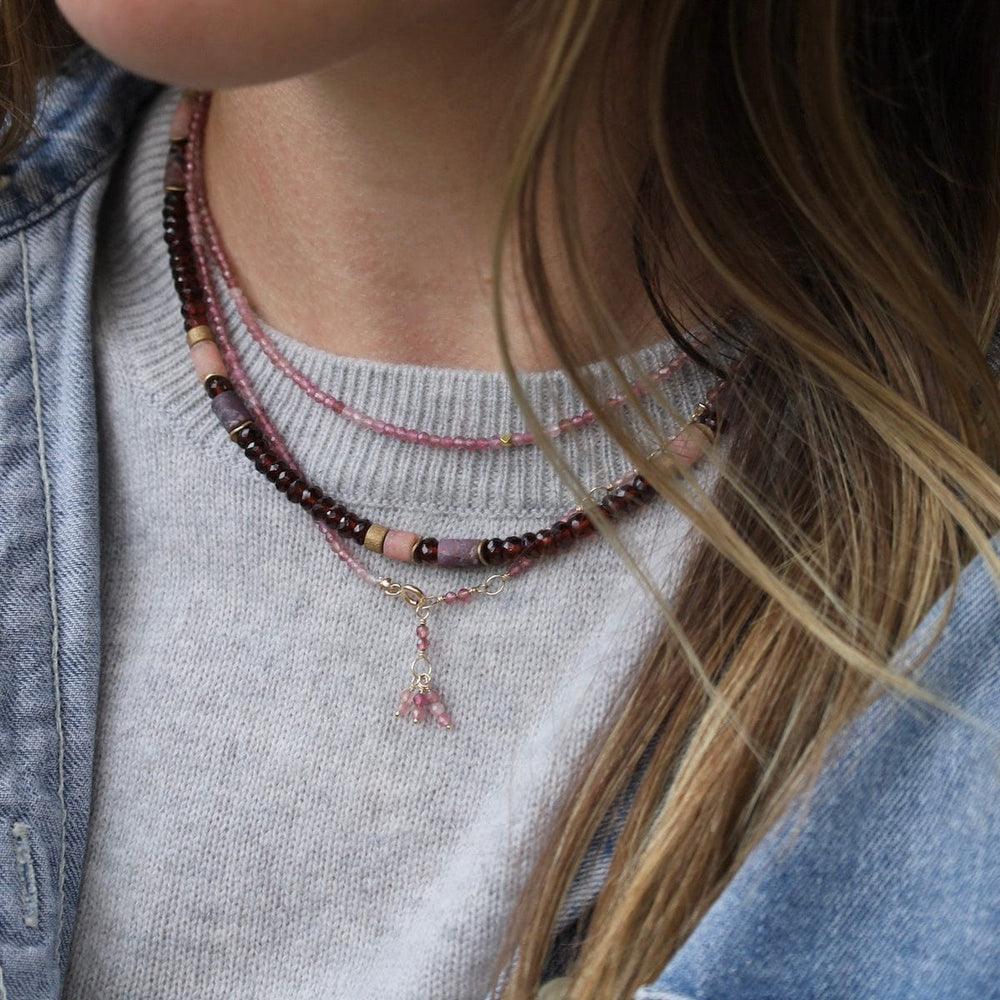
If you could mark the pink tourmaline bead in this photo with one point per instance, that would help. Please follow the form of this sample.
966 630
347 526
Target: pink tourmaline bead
433 698
451 597
423 631
419 714
436 709
521 439
398 545
405 701
444 720
207 360
423 645
464 595
411 436
420 700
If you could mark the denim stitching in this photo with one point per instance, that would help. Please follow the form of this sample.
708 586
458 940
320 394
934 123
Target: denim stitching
26 873
47 493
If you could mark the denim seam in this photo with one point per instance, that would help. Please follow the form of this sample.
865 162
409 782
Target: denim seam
47 208
47 493
26 873
3 989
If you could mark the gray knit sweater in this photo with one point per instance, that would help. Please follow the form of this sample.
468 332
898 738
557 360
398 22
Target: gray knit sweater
262 825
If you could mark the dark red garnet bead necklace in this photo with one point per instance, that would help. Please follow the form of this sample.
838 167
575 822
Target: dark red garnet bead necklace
248 426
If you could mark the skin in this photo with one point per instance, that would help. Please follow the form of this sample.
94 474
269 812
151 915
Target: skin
355 160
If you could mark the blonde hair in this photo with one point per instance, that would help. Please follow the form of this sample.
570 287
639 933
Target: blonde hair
833 167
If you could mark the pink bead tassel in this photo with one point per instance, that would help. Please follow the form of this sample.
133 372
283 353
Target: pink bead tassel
420 701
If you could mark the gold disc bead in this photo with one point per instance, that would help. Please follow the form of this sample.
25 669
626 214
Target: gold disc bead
199 333
375 537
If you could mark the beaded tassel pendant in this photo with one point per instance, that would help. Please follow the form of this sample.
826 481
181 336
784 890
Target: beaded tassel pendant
420 701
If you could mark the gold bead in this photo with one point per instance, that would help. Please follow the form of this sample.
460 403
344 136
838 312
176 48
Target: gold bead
199 333
506 440
236 430
375 537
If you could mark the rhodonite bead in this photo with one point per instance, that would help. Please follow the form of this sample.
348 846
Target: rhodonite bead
426 550
229 409
458 552
491 551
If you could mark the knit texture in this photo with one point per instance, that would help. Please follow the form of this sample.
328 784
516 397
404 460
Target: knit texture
262 825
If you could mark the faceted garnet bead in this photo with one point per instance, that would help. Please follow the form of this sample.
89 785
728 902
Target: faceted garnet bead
580 525
250 434
491 551
562 534
426 550
295 490
544 541
360 529
644 489
215 385
254 450
347 523
284 479
512 547
265 462
276 469
333 516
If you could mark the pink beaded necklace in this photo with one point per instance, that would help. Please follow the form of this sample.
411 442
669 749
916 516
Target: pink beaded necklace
494 442
239 409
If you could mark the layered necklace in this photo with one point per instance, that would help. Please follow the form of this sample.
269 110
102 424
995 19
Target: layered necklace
194 246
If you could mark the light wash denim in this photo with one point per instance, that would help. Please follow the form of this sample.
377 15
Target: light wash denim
887 887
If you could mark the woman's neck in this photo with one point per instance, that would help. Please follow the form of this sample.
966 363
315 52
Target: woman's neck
359 204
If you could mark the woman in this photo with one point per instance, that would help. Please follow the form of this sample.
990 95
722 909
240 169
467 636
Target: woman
771 773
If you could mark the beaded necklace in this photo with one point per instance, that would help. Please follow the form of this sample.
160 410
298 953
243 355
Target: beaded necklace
409 435
239 410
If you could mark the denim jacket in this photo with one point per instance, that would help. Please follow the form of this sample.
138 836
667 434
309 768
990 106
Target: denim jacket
887 886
